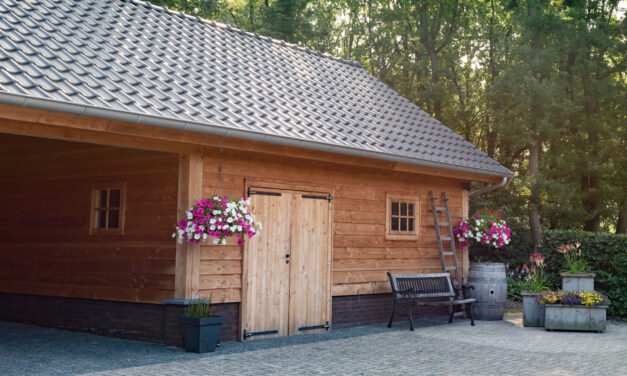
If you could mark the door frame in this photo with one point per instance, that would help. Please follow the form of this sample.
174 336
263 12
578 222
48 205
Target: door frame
294 187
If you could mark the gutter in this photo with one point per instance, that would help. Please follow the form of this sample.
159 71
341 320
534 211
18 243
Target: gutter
221 131
490 188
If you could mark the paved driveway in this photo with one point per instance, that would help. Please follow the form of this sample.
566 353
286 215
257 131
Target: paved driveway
490 348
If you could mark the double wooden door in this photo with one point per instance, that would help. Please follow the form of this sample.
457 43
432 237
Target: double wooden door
286 274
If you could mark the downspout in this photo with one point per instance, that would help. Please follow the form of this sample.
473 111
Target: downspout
490 188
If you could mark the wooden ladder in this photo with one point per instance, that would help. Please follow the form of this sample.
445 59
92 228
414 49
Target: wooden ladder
454 269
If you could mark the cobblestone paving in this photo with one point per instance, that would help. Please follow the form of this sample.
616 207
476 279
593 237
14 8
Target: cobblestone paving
489 348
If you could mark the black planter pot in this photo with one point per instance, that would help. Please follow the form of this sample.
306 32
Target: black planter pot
201 335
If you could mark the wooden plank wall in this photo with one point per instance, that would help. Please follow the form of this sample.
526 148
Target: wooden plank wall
361 254
45 246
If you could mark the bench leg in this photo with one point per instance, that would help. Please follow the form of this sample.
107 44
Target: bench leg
451 312
411 318
393 311
469 313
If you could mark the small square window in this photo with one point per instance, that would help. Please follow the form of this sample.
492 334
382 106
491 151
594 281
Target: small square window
401 217
107 211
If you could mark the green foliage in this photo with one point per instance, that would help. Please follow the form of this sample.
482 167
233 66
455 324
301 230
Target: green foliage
514 288
199 308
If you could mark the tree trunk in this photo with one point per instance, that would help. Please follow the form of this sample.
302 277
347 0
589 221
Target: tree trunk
534 220
435 79
621 224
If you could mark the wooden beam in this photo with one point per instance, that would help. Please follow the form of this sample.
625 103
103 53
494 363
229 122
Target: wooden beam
158 138
187 271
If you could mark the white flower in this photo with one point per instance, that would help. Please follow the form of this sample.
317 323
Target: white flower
229 220
233 228
239 228
215 241
204 236
217 212
259 224
190 215
212 227
216 197
212 221
174 235
197 236
223 241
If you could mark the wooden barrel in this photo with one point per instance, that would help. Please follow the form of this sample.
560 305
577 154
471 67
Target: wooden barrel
490 290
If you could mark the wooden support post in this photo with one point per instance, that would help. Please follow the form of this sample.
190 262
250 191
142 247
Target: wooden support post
465 255
187 273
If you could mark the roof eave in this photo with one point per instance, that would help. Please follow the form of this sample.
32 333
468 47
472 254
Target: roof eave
129 117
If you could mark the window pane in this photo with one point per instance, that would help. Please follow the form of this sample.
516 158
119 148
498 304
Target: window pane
101 219
114 198
394 208
114 218
403 224
410 210
410 225
102 199
394 223
403 208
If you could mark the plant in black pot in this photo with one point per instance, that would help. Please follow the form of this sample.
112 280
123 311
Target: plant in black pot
201 330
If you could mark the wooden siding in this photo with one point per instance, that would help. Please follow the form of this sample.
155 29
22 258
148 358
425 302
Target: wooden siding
45 246
361 254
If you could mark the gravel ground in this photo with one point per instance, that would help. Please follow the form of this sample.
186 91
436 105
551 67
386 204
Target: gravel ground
435 348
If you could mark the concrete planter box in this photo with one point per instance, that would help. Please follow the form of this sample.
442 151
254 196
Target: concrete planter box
575 317
533 313
578 282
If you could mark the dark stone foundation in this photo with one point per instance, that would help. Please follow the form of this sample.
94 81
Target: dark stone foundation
159 322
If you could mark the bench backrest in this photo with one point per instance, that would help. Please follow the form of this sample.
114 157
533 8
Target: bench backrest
422 285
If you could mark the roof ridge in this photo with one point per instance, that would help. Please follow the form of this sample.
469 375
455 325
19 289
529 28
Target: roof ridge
240 31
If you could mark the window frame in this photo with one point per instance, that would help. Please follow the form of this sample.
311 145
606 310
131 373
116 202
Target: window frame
95 209
398 234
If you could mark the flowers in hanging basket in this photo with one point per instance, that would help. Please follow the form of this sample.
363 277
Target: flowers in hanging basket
585 298
486 227
218 217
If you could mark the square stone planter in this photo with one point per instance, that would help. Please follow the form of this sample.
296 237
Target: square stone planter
578 282
575 317
533 313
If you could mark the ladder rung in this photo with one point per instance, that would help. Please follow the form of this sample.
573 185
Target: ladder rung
443 223
448 253
440 208
445 238
450 268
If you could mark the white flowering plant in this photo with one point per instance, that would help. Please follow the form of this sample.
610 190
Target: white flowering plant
218 217
486 227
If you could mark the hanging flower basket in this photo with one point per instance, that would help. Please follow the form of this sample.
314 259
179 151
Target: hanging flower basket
485 228
218 217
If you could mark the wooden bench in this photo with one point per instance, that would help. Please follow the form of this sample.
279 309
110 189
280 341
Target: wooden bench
412 288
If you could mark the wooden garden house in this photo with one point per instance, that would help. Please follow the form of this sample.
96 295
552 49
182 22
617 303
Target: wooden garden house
116 116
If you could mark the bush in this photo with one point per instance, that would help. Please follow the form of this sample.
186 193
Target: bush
606 255
514 287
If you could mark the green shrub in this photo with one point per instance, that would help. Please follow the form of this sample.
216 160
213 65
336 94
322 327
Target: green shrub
514 287
606 254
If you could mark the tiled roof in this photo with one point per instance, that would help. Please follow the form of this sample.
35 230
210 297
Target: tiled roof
137 61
